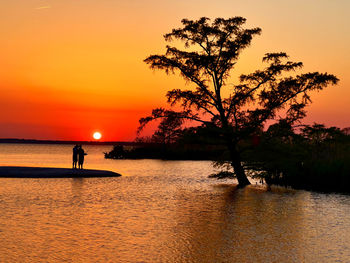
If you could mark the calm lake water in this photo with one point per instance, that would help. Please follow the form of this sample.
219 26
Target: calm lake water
160 211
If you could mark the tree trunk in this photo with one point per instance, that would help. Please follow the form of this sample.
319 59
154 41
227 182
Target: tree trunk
234 154
237 167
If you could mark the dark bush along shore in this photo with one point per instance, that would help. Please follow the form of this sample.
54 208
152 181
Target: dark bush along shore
313 158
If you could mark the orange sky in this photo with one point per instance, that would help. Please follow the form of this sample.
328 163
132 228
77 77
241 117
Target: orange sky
69 68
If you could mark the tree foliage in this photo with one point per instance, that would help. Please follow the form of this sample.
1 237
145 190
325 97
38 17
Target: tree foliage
168 129
210 52
315 157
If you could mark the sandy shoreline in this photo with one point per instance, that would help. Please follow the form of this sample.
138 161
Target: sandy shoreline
45 172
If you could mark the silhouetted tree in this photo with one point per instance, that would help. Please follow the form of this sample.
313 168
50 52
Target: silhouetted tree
168 130
318 133
118 152
212 49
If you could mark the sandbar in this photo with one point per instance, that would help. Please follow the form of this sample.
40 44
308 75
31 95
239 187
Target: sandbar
46 172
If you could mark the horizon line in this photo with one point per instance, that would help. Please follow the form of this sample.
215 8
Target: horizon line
18 140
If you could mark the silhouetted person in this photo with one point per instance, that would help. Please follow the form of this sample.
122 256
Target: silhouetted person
75 156
81 155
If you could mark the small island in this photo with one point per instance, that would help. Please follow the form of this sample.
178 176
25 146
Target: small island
45 172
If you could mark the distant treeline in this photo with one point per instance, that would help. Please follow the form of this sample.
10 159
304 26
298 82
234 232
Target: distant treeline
197 143
33 141
310 157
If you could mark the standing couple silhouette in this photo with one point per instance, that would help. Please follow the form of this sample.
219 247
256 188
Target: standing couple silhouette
78 156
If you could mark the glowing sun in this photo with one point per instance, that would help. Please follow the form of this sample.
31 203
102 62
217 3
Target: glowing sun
97 135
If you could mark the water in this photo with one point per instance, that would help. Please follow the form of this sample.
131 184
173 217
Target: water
160 211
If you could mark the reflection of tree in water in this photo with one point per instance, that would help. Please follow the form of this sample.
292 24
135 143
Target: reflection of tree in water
237 225
264 225
195 225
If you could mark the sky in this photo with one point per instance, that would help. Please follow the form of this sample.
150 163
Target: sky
72 67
